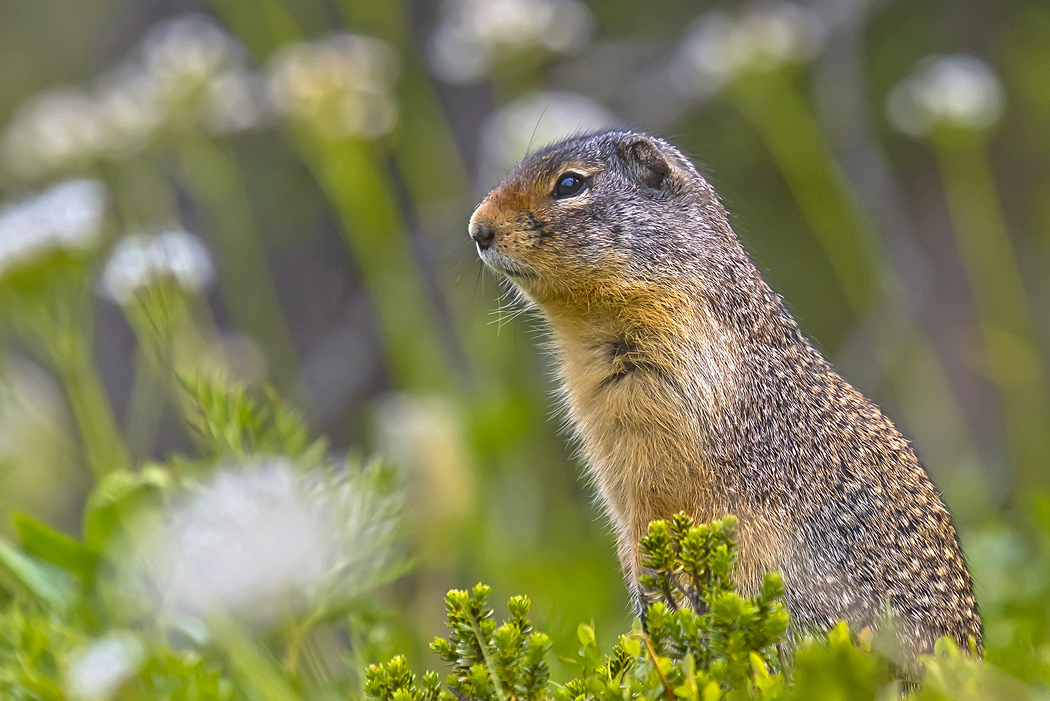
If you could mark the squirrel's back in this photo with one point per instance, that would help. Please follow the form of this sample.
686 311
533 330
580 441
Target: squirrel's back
691 388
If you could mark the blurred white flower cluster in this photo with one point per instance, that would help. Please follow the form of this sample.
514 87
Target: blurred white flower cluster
186 71
474 33
957 91
267 541
533 121
341 86
97 671
68 216
140 261
190 72
721 48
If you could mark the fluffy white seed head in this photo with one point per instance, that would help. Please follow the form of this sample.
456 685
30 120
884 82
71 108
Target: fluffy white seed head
341 86
245 543
425 436
130 104
474 34
67 216
957 91
720 48
57 130
96 671
187 72
140 261
236 101
189 49
266 541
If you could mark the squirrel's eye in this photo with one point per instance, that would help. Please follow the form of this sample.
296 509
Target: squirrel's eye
568 185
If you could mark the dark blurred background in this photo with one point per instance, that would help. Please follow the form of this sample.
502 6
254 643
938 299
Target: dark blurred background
887 164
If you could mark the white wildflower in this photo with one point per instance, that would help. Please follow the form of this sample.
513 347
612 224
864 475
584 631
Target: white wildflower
200 75
474 33
70 128
236 101
533 121
97 671
140 261
129 106
266 541
191 48
187 71
959 91
721 48
68 216
183 57
57 130
341 86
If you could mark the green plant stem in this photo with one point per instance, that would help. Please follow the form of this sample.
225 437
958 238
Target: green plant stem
422 144
215 182
778 112
656 665
348 174
103 444
1007 329
145 407
263 25
251 663
296 638
489 664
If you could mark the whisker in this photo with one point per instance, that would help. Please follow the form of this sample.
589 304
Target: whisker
528 148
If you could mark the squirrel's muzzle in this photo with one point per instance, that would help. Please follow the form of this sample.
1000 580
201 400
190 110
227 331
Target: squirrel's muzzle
483 233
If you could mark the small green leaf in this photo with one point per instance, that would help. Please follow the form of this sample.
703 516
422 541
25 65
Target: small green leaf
758 665
48 583
586 634
632 645
54 547
596 687
114 496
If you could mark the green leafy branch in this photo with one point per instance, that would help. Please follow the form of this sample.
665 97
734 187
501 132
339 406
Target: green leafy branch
701 638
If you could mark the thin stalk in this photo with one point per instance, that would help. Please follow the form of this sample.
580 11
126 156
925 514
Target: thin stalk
297 639
348 174
656 665
790 132
251 662
247 287
145 407
489 664
1007 329
103 445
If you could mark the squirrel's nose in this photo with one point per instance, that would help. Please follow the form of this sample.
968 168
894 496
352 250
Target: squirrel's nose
483 234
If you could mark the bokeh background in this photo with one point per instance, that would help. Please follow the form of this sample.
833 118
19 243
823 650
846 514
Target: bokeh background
303 171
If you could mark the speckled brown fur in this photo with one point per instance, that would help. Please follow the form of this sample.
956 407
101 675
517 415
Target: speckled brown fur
691 388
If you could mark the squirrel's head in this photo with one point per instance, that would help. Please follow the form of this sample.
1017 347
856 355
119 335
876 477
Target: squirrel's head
599 218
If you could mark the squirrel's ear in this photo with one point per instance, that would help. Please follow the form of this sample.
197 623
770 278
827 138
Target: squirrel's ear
646 162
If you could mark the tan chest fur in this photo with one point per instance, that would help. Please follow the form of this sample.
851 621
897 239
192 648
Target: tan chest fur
645 418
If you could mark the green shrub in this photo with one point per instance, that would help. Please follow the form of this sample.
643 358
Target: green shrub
701 641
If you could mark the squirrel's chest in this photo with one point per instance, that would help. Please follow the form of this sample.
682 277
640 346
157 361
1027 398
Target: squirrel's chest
642 434
647 432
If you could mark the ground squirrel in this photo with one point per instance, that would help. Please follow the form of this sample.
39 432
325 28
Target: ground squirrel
691 388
